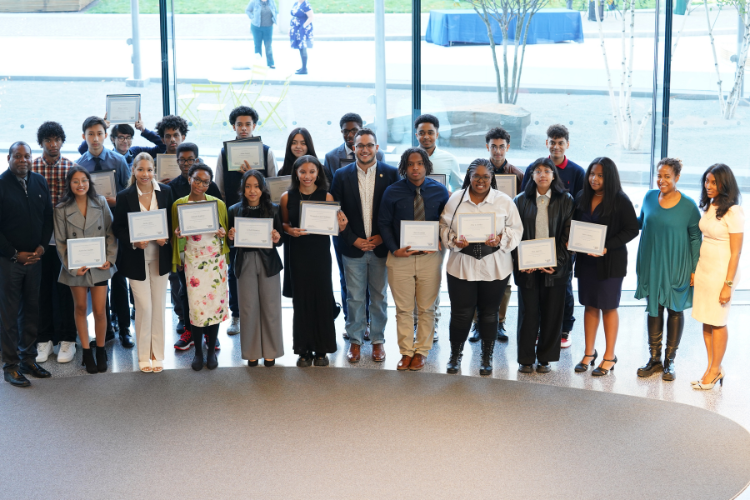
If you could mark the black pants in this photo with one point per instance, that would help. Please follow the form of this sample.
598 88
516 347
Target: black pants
19 312
119 300
211 332
540 312
174 291
57 324
184 300
469 296
570 304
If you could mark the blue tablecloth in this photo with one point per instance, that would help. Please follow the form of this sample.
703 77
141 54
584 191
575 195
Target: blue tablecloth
465 26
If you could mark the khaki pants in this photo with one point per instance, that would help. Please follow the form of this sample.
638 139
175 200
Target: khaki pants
410 278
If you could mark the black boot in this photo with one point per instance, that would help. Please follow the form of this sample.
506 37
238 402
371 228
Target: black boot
675 323
211 361
457 353
101 359
501 332
655 334
474 337
89 362
487 348
198 344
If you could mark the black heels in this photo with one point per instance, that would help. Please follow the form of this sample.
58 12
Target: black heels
101 359
582 367
600 372
89 362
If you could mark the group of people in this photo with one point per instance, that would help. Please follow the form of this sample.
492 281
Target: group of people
263 13
684 259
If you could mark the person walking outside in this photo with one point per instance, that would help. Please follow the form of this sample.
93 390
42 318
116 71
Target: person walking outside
262 14
301 31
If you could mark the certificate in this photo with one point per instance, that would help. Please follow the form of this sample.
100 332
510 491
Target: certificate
420 235
476 228
167 167
123 108
198 218
277 186
86 252
238 152
319 218
148 226
533 254
441 178
104 183
587 238
507 184
253 233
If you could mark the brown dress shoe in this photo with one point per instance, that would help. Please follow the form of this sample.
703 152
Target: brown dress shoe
353 353
378 353
417 362
404 363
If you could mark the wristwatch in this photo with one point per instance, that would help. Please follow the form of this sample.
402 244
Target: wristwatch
729 283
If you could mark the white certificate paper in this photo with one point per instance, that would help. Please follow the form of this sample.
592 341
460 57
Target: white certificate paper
277 186
441 178
148 226
476 228
104 183
587 238
319 218
167 167
506 183
123 108
533 254
198 218
239 152
420 235
253 233
86 252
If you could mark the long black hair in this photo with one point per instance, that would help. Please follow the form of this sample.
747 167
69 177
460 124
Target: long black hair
612 186
556 186
265 195
726 185
321 181
403 164
69 197
473 166
289 158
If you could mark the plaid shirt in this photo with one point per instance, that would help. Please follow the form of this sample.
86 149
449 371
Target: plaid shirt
54 174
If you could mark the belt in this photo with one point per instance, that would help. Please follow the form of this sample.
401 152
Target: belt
479 250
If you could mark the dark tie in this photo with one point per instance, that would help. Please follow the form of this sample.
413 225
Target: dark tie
418 206
23 184
98 164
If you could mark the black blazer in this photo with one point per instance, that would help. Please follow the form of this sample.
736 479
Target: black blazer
345 190
25 219
268 256
622 227
131 261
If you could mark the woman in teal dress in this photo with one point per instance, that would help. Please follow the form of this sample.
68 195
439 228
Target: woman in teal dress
667 257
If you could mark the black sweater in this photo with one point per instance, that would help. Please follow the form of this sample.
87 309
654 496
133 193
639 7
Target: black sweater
25 219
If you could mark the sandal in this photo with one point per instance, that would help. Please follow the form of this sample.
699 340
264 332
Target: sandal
158 366
145 366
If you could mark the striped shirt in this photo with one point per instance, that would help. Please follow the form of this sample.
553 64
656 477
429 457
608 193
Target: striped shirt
54 175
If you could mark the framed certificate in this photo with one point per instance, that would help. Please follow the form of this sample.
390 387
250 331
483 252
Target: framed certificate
123 108
198 218
476 228
533 254
420 235
441 178
319 218
167 167
253 233
278 185
244 150
148 226
587 238
507 184
87 252
104 183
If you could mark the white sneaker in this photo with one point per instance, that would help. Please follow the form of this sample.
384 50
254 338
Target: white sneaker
44 349
67 352
234 327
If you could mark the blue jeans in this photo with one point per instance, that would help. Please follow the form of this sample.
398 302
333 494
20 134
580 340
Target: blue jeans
362 273
263 35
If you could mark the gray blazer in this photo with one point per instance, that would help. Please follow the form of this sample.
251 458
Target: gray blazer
70 224
333 159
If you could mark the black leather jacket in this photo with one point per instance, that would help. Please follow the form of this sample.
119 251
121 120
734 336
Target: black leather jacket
269 256
560 212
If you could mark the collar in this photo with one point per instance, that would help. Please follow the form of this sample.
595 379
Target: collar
490 198
25 179
153 183
413 188
538 194
563 164
501 168
373 168
434 151
44 160
348 151
103 155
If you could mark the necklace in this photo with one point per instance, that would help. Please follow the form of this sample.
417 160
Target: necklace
598 194
302 195
253 208
147 193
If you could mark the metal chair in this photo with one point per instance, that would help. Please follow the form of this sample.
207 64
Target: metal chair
184 101
271 105
247 95
209 88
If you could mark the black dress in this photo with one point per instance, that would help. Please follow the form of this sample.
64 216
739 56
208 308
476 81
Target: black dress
593 292
310 272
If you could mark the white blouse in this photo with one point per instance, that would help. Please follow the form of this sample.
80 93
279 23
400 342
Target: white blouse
151 252
496 266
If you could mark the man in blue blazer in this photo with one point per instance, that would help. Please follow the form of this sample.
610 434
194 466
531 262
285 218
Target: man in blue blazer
359 188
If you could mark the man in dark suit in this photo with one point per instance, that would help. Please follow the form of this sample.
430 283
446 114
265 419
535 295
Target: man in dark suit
359 187
25 231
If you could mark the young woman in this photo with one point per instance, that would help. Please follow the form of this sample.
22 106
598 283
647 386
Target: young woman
205 268
301 31
478 272
667 256
310 266
146 263
546 210
602 201
258 276
717 273
84 214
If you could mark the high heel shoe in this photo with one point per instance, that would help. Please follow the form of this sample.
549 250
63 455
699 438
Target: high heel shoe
600 372
707 387
582 367
89 362
101 359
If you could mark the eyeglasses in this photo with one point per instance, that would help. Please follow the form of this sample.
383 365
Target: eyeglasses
360 147
199 182
476 177
186 162
543 171
126 138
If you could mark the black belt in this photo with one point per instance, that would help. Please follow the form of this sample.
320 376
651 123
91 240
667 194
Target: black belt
479 250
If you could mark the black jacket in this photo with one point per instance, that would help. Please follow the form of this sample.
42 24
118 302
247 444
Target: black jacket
25 219
345 190
622 227
560 213
269 256
131 261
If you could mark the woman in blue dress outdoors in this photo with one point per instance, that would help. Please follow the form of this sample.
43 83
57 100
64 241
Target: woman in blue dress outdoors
301 31
667 257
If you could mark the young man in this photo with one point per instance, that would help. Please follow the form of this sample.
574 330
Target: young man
343 155
57 327
122 135
412 275
359 188
573 177
25 230
243 120
426 128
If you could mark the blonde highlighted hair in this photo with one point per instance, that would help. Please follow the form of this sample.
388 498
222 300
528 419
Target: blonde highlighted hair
141 157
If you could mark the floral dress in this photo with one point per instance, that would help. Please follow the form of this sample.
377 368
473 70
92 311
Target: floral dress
300 35
206 277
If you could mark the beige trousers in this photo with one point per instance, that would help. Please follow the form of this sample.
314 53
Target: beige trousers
150 297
